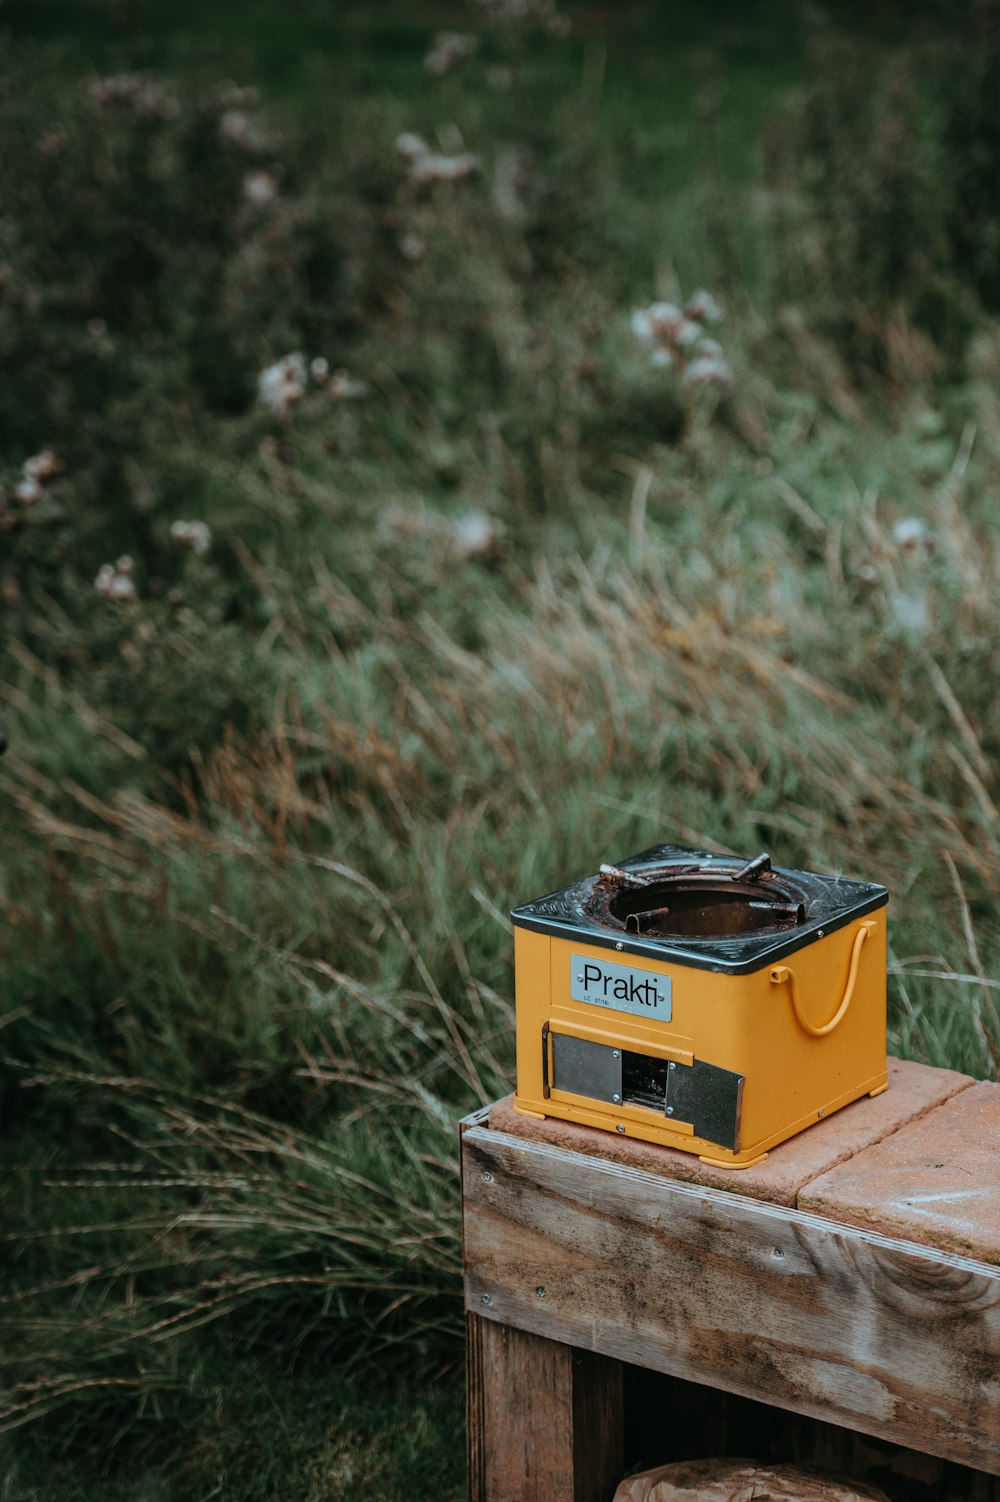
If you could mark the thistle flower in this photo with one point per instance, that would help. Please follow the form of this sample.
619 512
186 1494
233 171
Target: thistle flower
448 50
194 535
282 384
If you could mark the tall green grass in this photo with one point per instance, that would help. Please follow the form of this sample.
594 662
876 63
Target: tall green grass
266 820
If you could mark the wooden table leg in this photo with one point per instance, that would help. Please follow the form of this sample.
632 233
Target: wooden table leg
544 1419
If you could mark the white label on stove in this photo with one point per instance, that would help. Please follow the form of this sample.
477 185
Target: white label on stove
620 988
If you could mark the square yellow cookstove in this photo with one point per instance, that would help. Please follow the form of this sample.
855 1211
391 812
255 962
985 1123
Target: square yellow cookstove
708 1003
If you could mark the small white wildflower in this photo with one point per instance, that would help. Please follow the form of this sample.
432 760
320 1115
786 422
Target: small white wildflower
137 91
319 369
911 613
260 187
409 144
912 535
27 491
194 535
710 348
658 323
475 535
125 566
413 246
344 389
236 127
448 50
709 370
687 332
661 356
642 324
114 583
41 467
282 384
703 308
435 167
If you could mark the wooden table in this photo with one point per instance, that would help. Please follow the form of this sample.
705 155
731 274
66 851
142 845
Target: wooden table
851 1283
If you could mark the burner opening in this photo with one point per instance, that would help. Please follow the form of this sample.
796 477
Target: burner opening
703 907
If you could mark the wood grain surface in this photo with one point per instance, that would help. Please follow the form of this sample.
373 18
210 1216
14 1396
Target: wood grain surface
544 1420
830 1321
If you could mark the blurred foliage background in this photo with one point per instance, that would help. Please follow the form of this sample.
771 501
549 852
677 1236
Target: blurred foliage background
371 561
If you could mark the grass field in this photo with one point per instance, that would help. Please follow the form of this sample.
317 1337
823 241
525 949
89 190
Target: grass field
313 669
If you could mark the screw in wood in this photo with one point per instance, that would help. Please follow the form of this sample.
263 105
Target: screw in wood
487 1176
487 1298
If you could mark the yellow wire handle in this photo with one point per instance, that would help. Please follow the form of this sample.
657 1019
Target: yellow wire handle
781 973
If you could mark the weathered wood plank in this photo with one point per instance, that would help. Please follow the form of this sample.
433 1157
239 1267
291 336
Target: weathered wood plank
825 1320
544 1420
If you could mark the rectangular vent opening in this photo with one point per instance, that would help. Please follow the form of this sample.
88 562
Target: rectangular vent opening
644 1081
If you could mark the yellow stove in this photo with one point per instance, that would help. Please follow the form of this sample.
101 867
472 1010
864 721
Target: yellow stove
708 1003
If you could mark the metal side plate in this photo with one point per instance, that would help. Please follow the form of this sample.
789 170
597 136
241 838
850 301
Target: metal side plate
702 1095
710 1098
585 1068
